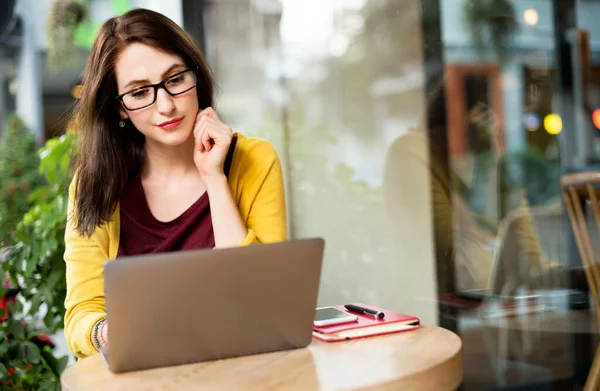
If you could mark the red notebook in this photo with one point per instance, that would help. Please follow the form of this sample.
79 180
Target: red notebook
366 325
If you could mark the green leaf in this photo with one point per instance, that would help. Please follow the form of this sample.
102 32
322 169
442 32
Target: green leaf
62 364
11 307
57 366
46 291
36 301
51 175
49 319
47 385
26 252
47 220
15 362
21 354
19 373
30 266
32 353
20 235
51 243
3 371
53 278
39 193
17 330
61 204
2 313
3 347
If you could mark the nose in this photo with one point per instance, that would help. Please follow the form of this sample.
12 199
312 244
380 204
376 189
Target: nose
164 102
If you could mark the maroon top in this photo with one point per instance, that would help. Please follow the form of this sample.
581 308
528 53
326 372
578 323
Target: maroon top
142 233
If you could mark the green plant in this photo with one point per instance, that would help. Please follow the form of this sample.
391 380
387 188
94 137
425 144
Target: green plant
35 265
26 362
18 175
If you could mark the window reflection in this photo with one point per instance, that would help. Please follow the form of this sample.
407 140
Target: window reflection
345 103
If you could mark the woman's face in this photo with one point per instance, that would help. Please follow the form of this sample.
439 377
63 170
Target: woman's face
170 119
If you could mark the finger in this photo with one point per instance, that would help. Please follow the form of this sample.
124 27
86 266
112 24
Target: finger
206 137
199 133
215 122
220 132
198 142
210 112
198 124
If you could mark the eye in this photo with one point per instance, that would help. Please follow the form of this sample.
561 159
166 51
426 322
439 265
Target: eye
141 93
175 80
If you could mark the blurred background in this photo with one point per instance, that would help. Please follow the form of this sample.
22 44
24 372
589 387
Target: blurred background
425 140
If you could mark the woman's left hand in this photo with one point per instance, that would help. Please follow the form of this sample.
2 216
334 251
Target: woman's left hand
212 140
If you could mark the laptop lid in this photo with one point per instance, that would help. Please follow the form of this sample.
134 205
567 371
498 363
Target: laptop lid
190 306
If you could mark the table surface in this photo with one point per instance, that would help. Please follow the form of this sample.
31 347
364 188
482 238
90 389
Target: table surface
426 359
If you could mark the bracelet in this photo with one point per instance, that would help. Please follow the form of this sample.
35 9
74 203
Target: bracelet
95 340
101 333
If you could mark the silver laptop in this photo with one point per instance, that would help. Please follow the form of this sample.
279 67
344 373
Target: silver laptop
201 305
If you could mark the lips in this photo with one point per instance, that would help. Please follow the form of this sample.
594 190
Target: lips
172 124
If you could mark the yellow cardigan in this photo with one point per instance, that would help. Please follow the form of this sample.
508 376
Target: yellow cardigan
256 183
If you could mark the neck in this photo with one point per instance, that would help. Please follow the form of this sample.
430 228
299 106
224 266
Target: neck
169 161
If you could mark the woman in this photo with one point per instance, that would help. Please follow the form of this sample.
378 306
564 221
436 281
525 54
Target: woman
157 169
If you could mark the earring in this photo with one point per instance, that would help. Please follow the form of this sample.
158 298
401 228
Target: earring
122 123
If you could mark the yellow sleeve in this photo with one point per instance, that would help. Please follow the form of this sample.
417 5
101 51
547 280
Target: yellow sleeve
261 193
84 301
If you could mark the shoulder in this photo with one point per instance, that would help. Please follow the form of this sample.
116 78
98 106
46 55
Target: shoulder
103 233
255 161
255 149
254 154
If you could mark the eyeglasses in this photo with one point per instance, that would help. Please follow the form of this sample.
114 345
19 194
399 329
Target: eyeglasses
146 95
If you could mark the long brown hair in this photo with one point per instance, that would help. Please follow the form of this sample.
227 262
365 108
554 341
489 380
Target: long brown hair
110 157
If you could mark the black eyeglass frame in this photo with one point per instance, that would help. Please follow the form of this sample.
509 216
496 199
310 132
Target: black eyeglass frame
156 86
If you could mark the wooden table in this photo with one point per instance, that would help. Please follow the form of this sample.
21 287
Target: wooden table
427 359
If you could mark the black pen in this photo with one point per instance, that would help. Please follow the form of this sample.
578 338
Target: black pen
363 310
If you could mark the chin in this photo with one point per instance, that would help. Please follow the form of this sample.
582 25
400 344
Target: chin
172 138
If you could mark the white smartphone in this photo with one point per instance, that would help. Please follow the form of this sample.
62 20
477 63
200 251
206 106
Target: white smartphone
327 316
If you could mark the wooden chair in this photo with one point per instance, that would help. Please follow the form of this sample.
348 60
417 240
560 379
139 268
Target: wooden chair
578 190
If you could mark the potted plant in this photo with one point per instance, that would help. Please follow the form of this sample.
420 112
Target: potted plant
64 18
35 266
26 358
